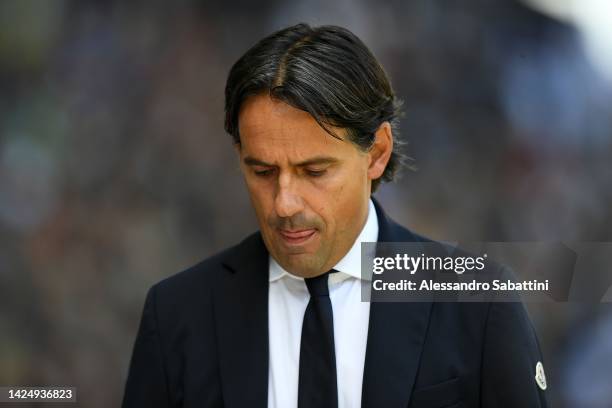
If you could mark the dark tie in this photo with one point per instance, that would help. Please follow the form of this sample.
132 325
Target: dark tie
317 379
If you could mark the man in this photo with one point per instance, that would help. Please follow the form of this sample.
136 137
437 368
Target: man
278 320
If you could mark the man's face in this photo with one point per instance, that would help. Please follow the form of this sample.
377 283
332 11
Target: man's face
310 190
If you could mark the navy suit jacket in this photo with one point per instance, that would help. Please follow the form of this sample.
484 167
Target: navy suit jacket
203 342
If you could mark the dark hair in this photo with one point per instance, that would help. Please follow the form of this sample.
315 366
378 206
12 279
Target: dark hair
326 71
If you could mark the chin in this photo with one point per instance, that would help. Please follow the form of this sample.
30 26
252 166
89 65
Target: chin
301 265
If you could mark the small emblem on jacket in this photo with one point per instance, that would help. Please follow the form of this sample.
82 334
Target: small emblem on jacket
540 377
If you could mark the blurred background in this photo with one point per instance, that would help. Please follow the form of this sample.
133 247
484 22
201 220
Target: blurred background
115 171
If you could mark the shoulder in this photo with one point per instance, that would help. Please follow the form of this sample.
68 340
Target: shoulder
196 276
192 287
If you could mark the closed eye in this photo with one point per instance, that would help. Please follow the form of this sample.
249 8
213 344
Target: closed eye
315 173
263 173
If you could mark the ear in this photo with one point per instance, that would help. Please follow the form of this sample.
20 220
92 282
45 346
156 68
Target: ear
381 150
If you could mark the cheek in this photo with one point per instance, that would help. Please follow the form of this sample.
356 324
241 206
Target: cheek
334 205
348 200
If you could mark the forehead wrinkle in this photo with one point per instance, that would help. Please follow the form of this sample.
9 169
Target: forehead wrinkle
262 110
275 130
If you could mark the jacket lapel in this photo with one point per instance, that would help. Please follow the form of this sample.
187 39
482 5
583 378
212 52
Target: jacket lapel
395 337
241 315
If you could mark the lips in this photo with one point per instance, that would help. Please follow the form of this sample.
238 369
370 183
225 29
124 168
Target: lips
297 236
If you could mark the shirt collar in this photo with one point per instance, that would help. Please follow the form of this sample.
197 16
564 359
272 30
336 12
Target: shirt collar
350 264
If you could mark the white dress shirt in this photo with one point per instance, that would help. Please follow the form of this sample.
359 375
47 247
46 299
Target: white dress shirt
287 301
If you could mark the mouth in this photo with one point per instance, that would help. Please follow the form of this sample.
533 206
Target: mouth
297 237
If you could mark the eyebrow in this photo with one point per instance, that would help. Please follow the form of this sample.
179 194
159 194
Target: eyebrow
252 161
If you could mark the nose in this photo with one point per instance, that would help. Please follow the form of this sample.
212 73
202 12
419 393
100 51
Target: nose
288 201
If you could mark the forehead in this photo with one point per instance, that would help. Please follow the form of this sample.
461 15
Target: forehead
269 124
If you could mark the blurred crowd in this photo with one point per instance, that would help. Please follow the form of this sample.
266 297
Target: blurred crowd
115 171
